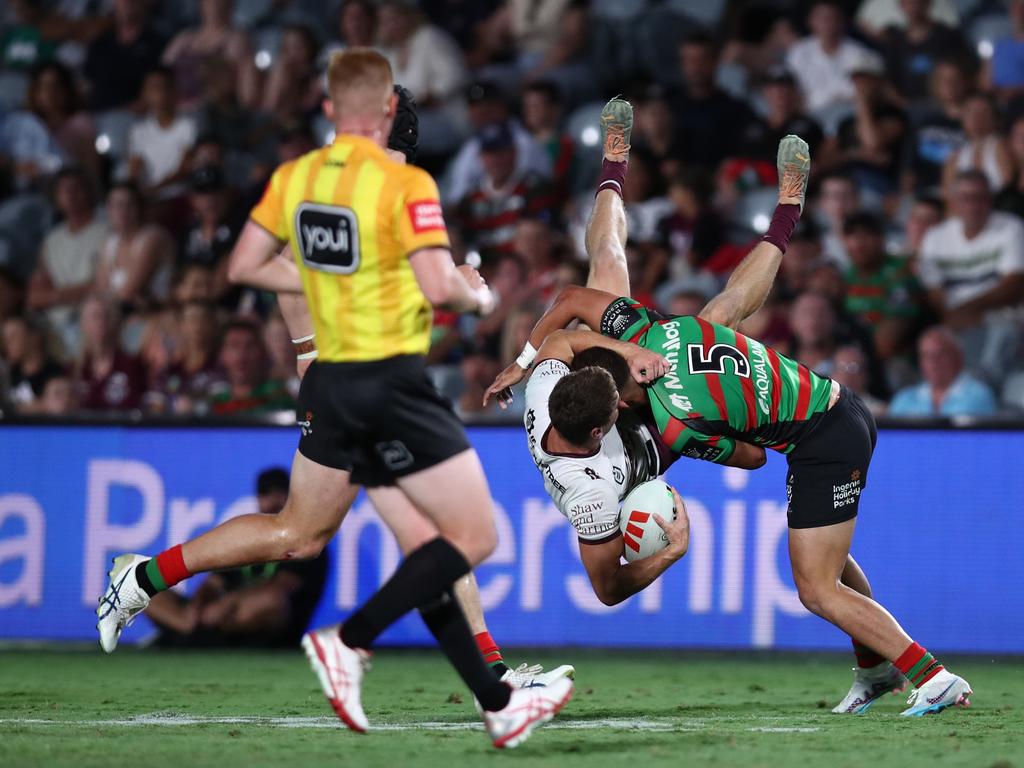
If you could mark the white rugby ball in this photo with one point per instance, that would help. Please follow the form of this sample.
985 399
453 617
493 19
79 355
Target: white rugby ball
641 535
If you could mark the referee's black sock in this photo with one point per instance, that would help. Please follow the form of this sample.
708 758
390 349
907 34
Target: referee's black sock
447 623
423 576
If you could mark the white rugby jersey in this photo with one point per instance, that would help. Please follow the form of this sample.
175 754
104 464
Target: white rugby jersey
588 489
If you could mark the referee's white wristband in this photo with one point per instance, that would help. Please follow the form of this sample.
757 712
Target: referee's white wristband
308 355
304 339
527 356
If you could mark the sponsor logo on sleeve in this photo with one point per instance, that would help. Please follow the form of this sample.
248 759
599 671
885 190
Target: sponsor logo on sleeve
618 318
425 216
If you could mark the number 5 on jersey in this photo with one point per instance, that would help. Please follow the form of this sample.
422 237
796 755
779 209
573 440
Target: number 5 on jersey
713 360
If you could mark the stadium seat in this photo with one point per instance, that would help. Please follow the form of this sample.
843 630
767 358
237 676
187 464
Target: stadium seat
249 13
112 128
584 126
753 212
831 116
707 12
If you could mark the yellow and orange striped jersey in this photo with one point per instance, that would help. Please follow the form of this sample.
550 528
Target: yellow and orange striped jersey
353 217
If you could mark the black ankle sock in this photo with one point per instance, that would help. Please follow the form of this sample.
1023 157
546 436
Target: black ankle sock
499 668
143 578
423 576
447 623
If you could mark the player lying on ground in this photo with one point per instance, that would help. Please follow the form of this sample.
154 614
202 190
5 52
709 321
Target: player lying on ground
725 389
405 521
372 256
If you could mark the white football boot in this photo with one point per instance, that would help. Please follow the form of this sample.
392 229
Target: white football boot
942 691
528 708
340 671
122 602
534 676
869 685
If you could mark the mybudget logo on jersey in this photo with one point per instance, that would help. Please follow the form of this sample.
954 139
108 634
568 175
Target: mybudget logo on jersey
328 237
73 497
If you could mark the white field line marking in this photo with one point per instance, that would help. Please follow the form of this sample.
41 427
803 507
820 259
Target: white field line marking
606 723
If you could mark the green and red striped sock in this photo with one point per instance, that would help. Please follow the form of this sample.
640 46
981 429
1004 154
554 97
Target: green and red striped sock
865 656
162 572
491 652
918 665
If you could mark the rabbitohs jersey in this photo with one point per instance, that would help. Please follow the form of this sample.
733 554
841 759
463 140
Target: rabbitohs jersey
721 386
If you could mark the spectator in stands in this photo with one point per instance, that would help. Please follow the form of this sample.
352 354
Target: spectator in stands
925 213
294 87
708 121
23 45
874 17
107 377
12 293
871 141
53 98
189 379
881 290
59 397
194 282
654 131
264 606
692 231
821 62
478 371
813 323
973 268
947 389
937 132
135 259
538 248
912 50
209 239
851 370
215 41
784 115
66 270
1006 68
32 150
542 113
802 256
1011 197
159 143
279 346
118 60
425 60
357 26
838 197
984 148
29 365
487 106
247 388
489 213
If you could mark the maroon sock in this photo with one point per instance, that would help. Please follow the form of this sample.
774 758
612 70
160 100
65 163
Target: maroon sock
865 656
613 176
783 223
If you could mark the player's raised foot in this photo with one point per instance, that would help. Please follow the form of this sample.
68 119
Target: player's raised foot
616 127
528 708
122 602
340 671
941 692
534 676
869 685
793 164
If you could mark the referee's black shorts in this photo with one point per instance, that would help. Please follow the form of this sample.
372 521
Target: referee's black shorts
380 420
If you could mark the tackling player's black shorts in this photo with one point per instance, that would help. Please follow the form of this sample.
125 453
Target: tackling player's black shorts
828 469
380 420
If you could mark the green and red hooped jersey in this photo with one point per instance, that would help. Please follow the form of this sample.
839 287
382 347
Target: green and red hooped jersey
721 386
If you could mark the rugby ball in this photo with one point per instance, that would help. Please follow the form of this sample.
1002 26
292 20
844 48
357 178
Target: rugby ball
641 535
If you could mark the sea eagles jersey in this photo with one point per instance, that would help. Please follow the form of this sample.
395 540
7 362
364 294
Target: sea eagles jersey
588 489
721 386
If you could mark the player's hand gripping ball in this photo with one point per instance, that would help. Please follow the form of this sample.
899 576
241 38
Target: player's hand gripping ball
641 534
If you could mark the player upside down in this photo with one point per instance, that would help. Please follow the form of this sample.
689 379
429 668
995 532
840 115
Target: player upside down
724 398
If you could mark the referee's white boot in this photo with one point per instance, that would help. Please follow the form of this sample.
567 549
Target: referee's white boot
528 708
340 671
122 602
869 685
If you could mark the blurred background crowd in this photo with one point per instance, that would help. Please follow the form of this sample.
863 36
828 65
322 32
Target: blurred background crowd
135 135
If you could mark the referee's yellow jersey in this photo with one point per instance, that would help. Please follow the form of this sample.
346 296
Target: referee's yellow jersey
353 217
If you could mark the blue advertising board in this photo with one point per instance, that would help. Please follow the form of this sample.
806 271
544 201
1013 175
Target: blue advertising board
938 535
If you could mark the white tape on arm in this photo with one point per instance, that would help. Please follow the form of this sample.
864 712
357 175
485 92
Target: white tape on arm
527 356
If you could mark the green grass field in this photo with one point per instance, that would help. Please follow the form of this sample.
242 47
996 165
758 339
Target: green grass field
80 708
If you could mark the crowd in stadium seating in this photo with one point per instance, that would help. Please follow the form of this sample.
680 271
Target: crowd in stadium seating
136 135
